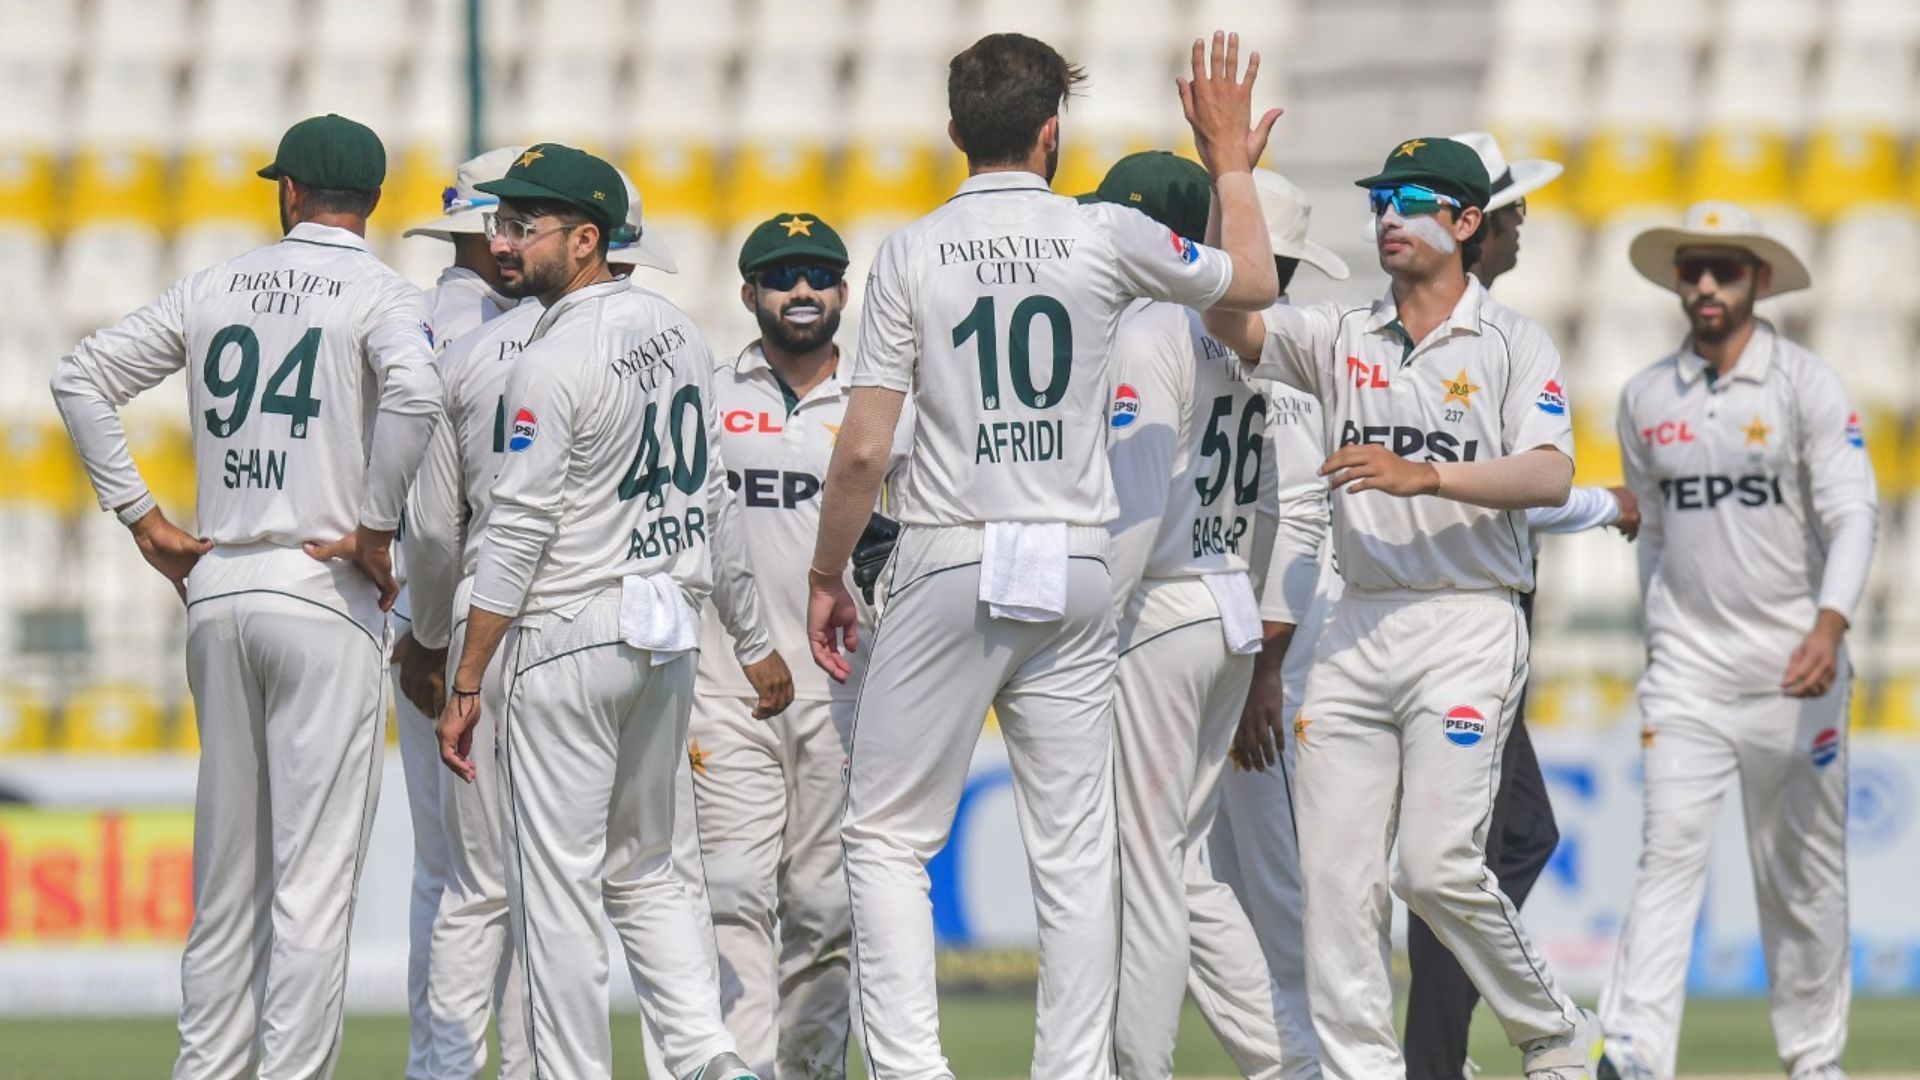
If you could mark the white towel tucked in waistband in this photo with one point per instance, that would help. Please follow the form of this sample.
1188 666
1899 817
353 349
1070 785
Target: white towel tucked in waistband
1023 570
1239 610
655 615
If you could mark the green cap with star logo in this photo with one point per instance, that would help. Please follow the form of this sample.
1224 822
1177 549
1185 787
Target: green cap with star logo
330 151
1448 167
563 174
1166 187
795 237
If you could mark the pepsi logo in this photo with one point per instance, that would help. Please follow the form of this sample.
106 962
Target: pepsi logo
526 427
1552 399
1856 437
1184 248
1826 747
1464 726
1126 406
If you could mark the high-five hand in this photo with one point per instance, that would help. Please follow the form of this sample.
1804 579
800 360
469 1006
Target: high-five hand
1219 106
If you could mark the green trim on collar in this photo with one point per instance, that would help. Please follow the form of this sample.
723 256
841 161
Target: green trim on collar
1406 340
791 399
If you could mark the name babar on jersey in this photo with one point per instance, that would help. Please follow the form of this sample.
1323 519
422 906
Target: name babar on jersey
1226 474
652 362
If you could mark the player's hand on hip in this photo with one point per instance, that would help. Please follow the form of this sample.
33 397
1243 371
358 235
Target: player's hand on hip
1219 106
457 722
169 549
1257 744
1629 520
772 680
423 674
1366 467
368 550
1815 665
832 621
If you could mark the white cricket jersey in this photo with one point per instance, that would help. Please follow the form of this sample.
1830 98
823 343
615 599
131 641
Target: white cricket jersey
1189 433
1757 505
454 492
613 456
462 302
996 313
777 448
1291 560
290 350
1486 383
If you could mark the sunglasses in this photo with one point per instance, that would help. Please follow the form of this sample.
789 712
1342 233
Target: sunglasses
785 276
1725 269
1410 200
518 231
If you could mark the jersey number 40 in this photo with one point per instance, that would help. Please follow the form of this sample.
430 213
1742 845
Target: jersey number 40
688 471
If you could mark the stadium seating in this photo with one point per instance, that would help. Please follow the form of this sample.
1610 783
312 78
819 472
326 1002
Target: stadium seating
134 126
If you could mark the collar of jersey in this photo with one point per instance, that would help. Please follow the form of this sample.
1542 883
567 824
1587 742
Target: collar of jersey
1754 363
575 299
308 232
1013 180
753 361
461 273
1466 312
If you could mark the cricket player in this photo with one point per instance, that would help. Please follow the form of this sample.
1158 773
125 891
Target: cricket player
595 551
1521 836
1760 511
1186 455
1251 847
996 314
1446 420
313 396
466 296
770 792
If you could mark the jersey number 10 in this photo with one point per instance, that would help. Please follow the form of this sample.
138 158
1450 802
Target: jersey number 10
979 323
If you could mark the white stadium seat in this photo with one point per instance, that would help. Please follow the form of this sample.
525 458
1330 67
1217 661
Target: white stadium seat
117 30
265 30
566 97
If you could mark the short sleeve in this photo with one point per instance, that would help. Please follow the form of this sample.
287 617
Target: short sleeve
1535 410
1298 349
888 347
1155 262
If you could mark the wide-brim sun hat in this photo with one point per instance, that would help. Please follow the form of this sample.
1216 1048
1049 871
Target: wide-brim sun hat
634 244
1287 211
1512 180
1715 223
463 207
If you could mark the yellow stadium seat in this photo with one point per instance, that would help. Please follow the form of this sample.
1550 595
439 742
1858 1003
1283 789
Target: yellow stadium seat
1890 448
40 467
23 721
768 178
1519 145
112 720
27 187
1896 707
891 179
1085 162
219 184
185 736
1596 453
1846 166
164 454
415 178
1745 165
1587 699
114 184
676 179
1626 168
1859 709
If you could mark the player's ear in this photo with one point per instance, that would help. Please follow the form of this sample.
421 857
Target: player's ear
1467 223
746 297
842 291
1762 278
953 136
373 202
1050 134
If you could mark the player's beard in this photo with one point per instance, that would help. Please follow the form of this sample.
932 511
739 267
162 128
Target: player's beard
1732 317
533 278
797 338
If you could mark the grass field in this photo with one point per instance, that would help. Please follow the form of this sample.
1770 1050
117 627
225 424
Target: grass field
987 1036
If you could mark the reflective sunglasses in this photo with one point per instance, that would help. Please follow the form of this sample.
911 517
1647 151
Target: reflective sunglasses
783 277
517 231
1410 200
1726 269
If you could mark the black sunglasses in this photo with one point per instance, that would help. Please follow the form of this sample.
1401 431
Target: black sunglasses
1725 269
785 276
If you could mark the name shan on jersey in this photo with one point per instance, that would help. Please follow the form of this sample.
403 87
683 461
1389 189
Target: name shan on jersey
283 292
1006 260
255 469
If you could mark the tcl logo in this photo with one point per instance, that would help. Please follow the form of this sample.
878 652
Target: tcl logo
743 421
1367 376
1667 432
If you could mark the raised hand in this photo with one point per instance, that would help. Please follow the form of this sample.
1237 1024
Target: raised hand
1219 106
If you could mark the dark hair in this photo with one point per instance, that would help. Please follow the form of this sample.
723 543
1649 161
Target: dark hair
1284 267
1002 90
566 212
319 200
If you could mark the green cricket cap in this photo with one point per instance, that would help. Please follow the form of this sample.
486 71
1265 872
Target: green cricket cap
1166 187
562 174
793 237
1448 167
330 151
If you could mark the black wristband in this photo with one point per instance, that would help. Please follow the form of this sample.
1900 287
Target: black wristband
457 692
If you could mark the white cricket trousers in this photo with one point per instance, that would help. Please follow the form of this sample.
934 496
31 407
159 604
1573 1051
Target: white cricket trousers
474 970
1255 852
938 661
420 764
769 795
288 694
594 731
1410 700
1177 701
1789 756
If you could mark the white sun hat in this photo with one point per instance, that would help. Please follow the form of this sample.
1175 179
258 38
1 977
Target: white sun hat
1512 180
462 206
1286 209
633 244
1717 224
